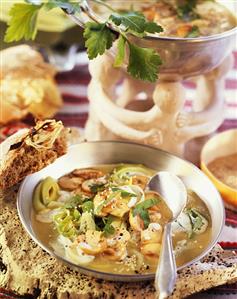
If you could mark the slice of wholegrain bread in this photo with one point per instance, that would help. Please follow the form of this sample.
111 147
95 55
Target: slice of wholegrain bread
29 151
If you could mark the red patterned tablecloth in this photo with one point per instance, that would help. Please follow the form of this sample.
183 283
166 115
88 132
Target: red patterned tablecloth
73 86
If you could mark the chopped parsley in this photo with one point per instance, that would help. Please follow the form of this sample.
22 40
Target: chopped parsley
123 192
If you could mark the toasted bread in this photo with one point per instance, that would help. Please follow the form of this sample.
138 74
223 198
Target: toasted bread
30 150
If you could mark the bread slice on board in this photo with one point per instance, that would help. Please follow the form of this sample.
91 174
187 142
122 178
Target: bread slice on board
30 150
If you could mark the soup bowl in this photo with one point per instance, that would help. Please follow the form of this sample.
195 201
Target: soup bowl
185 57
220 145
90 154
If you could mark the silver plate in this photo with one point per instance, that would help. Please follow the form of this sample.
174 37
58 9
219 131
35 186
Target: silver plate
107 152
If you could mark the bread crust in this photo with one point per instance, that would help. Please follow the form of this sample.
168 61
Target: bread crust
26 159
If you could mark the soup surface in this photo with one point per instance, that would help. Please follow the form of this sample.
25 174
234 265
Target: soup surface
184 20
180 18
105 218
225 169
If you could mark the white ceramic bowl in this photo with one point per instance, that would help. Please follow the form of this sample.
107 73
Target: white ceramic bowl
112 152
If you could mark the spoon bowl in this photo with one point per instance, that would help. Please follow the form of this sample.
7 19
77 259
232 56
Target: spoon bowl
172 189
174 193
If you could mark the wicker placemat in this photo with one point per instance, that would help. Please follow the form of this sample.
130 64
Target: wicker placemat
26 269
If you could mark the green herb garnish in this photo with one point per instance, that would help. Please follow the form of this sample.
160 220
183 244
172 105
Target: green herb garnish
70 6
141 209
143 63
123 192
148 203
104 224
23 22
108 228
135 22
195 218
98 39
198 221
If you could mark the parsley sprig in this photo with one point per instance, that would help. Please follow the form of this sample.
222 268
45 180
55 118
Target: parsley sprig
143 63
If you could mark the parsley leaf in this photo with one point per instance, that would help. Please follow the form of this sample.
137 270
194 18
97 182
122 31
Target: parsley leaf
104 224
133 21
148 203
98 38
123 192
108 228
22 23
136 23
69 6
198 221
152 27
145 217
141 209
143 63
119 58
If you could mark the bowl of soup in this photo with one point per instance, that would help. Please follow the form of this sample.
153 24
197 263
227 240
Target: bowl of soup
92 209
219 162
190 37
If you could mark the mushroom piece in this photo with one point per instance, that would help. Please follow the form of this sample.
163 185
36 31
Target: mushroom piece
88 185
70 183
88 173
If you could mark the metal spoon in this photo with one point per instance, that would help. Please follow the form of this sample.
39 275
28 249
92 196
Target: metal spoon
174 193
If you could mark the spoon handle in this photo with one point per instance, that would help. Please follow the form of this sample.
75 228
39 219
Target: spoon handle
166 271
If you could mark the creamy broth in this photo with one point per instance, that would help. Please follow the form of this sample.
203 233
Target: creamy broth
225 169
207 18
179 18
136 259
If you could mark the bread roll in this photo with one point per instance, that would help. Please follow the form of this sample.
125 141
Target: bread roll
27 85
